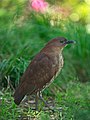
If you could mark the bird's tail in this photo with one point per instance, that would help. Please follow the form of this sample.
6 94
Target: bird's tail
19 94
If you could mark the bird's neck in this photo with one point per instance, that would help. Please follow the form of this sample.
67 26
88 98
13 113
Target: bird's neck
52 50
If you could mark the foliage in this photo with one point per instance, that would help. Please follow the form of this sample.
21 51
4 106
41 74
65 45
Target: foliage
25 43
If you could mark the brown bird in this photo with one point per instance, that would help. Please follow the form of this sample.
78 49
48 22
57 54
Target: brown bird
42 70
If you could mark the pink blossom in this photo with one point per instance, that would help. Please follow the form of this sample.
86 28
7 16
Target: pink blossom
39 5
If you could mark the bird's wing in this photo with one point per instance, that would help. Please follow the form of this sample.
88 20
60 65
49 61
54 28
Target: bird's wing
36 76
39 72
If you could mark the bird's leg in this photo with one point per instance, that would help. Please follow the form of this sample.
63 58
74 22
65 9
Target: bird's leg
36 101
41 98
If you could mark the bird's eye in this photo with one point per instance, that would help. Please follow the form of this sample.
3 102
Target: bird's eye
61 41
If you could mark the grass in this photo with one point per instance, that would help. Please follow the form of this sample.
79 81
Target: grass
75 104
70 90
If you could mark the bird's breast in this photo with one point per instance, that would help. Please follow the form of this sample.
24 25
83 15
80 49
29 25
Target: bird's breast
57 66
60 65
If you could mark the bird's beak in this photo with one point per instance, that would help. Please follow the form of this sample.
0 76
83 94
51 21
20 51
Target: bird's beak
70 41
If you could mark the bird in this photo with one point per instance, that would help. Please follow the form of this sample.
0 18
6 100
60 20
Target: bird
42 70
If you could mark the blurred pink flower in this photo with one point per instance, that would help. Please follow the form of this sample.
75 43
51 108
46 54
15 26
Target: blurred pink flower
39 5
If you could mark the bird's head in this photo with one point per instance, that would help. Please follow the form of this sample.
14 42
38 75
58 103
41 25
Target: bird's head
60 42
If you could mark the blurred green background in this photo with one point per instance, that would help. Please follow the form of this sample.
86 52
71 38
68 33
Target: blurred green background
23 33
